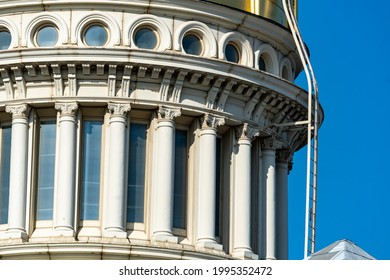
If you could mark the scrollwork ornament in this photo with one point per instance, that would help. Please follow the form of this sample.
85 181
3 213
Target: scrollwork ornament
247 132
20 111
168 113
118 109
67 109
212 122
269 143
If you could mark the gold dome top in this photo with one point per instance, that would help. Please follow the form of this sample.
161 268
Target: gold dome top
271 9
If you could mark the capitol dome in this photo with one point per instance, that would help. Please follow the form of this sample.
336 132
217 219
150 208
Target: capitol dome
146 129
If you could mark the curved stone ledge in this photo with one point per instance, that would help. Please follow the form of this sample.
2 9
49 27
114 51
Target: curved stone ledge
104 251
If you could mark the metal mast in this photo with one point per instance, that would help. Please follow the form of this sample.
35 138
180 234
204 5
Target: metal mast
312 134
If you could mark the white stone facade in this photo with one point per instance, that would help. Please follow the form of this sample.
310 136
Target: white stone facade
233 191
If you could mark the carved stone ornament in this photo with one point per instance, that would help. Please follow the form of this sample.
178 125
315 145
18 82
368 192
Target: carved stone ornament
212 122
284 156
67 109
118 109
269 143
247 132
168 113
20 111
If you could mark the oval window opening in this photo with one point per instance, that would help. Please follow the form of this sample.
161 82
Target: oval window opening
231 53
5 40
96 36
145 38
262 64
192 44
47 36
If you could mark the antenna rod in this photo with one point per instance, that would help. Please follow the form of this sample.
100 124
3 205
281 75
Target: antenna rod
312 150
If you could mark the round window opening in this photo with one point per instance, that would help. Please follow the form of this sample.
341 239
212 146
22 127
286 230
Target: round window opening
47 36
231 53
96 36
5 40
192 44
145 38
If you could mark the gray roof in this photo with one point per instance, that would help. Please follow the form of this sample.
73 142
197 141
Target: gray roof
341 250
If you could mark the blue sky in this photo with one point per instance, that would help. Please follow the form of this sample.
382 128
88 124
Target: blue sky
349 43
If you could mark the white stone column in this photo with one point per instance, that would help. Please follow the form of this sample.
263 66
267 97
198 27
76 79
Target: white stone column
207 179
115 220
164 185
283 165
18 171
268 153
66 182
241 220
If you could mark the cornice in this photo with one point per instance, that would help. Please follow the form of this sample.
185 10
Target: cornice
122 56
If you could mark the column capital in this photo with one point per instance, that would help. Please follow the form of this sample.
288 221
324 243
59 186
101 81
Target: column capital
67 109
168 113
212 122
18 111
246 132
285 156
118 109
268 143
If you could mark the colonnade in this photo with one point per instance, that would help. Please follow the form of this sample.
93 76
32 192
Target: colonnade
274 170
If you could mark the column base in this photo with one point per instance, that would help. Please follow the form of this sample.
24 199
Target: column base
164 238
14 236
244 255
64 232
204 245
120 234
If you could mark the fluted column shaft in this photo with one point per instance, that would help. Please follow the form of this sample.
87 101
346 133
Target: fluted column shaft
18 170
115 220
163 190
242 194
207 181
269 172
65 198
283 161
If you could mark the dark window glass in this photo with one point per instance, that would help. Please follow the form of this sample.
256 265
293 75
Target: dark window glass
96 36
136 173
90 184
4 173
262 64
231 53
5 40
180 185
47 36
218 194
285 73
46 166
192 44
145 38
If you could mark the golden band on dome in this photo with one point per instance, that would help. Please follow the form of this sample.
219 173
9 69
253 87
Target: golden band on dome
271 9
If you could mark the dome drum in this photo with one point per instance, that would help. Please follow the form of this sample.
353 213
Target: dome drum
133 135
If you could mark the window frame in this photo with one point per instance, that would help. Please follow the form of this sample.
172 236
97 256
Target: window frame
153 29
37 141
39 28
4 29
88 26
182 232
138 225
90 114
7 123
201 40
